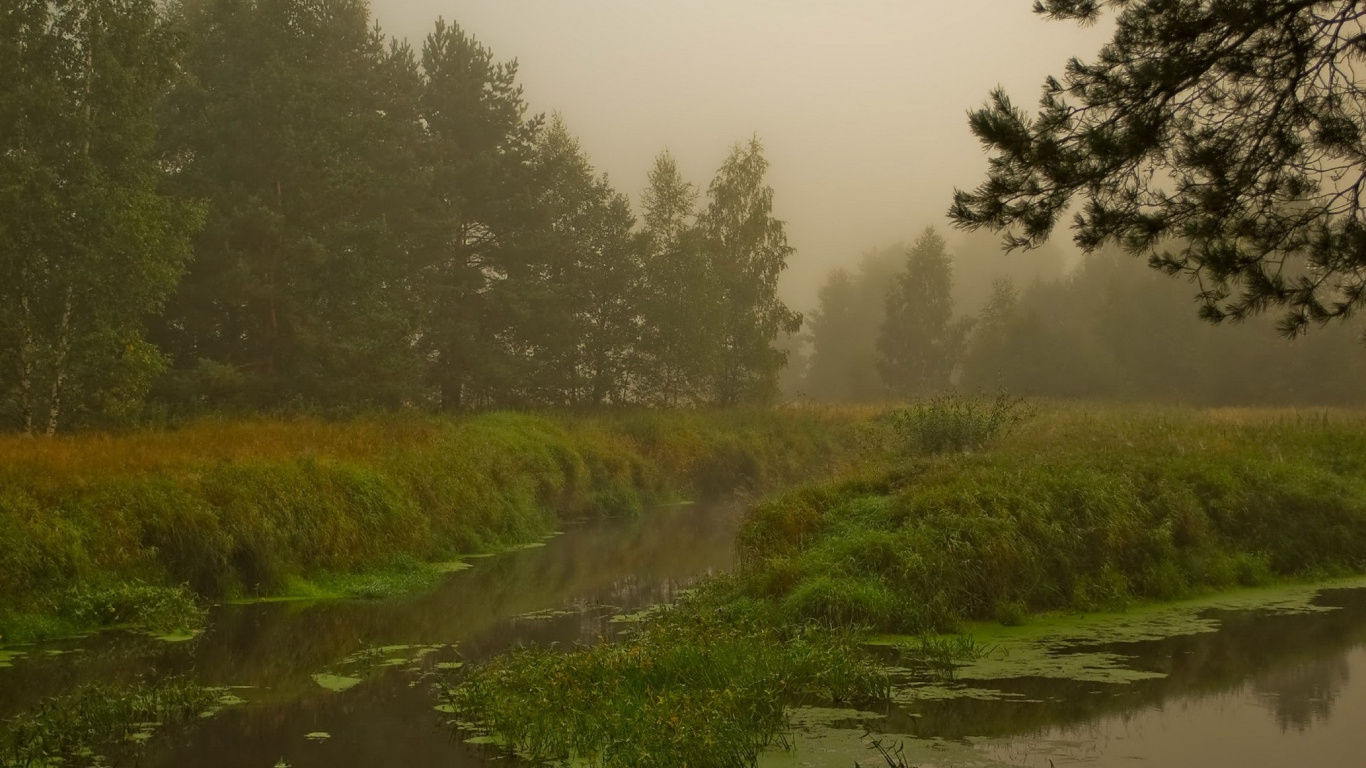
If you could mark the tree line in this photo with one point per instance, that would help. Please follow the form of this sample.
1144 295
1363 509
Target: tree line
260 204
901 325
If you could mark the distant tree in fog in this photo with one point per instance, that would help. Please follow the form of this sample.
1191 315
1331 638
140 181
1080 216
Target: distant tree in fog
1226 141
991 338
844 329
920 343
675 336
747 250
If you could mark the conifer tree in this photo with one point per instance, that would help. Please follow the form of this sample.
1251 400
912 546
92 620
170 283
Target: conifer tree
298 125
747 250
473 263
1223 140
920 344
583 329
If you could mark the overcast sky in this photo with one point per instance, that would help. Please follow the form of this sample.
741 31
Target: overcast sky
860 103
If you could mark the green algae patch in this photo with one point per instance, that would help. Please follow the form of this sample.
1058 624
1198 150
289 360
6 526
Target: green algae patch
318 737
1063 646
336 683
7 658
922 692
839 738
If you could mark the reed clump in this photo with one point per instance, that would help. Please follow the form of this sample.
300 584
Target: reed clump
100 724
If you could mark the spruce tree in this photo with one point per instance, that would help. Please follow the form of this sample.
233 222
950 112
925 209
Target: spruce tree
920 343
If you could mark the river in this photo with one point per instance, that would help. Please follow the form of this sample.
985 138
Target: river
346 684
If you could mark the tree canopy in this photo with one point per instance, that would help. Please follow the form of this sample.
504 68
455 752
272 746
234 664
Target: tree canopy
1223 139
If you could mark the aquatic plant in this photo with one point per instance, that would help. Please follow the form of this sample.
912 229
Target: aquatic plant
693 686
100 724
942 655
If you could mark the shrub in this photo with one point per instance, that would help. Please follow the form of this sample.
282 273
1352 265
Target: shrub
956 423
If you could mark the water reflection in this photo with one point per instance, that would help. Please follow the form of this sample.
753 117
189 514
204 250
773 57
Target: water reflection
586 576
1266 690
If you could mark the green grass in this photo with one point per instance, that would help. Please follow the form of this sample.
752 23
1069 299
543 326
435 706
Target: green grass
955 517
368 508
1080 511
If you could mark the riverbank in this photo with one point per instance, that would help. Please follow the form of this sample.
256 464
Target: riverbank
141 529
1081 509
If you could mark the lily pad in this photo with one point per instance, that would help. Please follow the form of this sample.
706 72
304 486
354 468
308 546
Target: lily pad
336 683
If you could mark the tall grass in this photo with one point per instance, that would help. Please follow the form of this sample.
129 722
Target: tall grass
1085 509
232 509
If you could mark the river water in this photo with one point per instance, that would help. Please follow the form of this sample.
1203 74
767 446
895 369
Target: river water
346 684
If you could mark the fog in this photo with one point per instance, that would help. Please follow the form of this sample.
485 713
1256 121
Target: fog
861 104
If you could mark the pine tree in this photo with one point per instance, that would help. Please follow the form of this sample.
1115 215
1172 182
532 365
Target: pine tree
299 126
919 344
747 250
470 268
89 245
1225 141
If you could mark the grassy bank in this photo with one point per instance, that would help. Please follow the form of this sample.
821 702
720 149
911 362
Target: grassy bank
1079 509
120 530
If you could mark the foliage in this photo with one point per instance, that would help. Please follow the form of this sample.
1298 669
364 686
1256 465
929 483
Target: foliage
98 724
696 686
747 250
258 508
1083 510
920 343
844 329
1220 139
89 244
956 423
